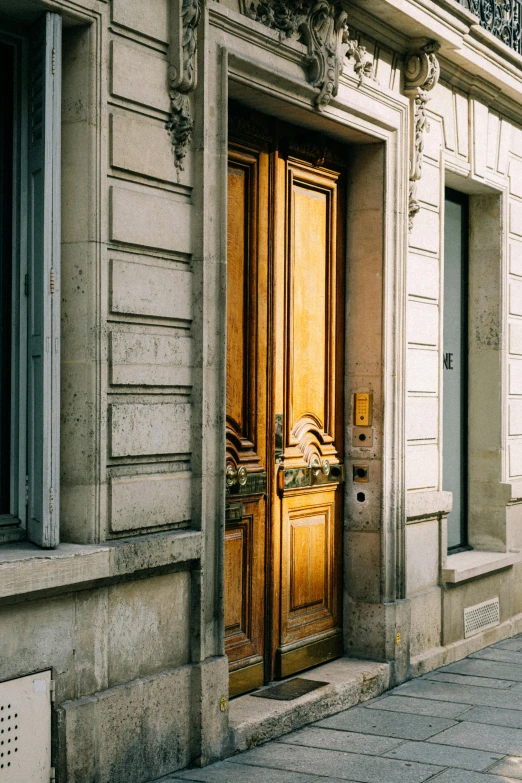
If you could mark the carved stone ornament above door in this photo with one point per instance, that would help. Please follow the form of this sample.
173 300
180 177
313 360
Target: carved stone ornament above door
421 74
323 27
182 73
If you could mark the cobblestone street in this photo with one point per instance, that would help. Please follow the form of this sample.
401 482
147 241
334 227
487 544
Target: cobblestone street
459 724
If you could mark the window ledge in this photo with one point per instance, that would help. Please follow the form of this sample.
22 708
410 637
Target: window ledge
469 565
24 568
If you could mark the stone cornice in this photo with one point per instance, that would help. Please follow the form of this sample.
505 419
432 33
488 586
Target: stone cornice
474 61
470 57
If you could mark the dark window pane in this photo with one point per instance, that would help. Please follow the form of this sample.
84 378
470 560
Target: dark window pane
6 212
455 364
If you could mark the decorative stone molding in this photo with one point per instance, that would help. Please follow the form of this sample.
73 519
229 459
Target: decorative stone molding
421 75
285 17
182 73
323 27
363 64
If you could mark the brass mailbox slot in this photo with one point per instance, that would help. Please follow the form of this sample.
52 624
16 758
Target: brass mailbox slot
360 473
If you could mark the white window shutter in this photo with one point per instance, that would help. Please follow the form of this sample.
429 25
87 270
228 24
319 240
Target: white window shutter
44 282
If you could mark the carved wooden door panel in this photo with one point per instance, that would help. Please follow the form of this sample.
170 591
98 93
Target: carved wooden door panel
307 508
246 426
284 473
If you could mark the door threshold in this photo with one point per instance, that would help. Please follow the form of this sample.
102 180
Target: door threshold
349 681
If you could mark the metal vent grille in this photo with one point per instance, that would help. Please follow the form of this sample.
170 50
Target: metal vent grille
481 616
25 729
8 735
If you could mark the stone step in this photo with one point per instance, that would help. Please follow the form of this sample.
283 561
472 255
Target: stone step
253 720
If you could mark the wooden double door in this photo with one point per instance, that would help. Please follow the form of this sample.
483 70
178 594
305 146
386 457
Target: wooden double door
284 430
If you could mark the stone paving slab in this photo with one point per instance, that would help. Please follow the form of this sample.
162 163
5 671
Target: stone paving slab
332 763
429 753
386 724
495 716
484 668
351 741
227 772
499 739
464 694
498 654
510 766
437 709
479 682
508 644
461 776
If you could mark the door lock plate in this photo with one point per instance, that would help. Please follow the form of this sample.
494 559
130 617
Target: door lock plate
301 478
247 484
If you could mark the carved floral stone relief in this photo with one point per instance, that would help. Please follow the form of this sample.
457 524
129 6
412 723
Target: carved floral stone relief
421 75
323 27
182 74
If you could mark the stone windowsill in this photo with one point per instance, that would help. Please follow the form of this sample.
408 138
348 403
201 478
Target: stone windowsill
24 568
470 565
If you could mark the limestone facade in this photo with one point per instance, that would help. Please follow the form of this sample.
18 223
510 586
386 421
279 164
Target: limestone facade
127 613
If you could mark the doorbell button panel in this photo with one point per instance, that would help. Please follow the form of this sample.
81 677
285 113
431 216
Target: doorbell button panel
362 437
363 409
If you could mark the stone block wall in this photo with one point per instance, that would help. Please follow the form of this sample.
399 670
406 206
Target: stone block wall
473 149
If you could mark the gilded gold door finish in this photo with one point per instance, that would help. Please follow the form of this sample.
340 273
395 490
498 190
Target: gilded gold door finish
285 301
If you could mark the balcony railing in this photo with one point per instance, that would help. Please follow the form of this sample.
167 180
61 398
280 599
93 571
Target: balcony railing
501 17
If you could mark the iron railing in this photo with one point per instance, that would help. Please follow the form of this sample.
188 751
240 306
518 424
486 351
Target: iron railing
503 18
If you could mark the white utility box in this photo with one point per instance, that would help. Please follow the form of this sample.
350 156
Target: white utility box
25 729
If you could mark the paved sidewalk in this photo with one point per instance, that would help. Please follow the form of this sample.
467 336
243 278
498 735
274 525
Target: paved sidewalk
460 724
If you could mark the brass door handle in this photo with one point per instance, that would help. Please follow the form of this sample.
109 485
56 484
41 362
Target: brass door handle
316 466
236 476
231 475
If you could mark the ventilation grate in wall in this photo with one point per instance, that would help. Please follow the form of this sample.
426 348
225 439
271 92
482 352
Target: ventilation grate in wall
8 734
481 616
25 729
